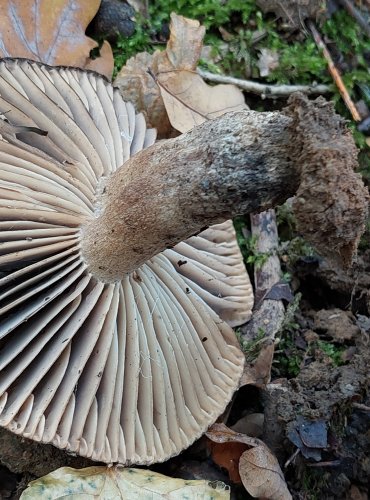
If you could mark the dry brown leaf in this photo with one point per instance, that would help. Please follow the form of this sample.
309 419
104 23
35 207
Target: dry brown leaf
226 447
259 373
259 470
185 44
220 433
261 474
175 89
190 101
52 32
104 63
138 86
227 456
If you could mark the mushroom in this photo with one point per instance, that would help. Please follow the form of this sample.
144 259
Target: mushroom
127 368
115 300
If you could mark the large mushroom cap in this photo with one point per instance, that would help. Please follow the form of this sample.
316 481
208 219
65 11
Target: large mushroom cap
129 372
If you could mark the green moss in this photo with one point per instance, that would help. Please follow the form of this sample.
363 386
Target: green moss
333 351
248 245
253 347
125 48
247 32
288 358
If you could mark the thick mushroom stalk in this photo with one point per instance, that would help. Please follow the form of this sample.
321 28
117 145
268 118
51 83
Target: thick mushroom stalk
240 163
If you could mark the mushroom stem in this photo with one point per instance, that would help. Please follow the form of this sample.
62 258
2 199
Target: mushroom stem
235 164
239 163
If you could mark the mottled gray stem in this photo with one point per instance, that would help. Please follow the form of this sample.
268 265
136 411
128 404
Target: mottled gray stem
238 163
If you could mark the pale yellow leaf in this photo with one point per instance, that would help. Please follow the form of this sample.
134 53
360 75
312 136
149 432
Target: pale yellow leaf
108 483
261 474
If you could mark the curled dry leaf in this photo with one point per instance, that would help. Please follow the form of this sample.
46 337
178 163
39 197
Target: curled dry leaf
226 447
261 474
52 33
258 373
139 87
259 470
119 483
174 88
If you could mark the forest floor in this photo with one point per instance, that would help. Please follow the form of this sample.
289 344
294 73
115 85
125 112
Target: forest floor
314 409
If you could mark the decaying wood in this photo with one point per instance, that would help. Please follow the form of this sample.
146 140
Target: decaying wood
269 313
239 163
267 90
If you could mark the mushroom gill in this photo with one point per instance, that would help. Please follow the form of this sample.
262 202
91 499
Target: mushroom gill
130 371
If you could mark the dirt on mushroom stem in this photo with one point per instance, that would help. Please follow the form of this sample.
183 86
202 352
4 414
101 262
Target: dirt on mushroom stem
239 163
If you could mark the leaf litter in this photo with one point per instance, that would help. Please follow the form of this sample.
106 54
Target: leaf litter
166 83
52 33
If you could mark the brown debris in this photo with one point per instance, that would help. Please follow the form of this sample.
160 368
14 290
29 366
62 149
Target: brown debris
337 324
294 12
331 204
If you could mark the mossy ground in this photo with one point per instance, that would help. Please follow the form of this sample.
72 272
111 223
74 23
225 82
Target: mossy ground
237 31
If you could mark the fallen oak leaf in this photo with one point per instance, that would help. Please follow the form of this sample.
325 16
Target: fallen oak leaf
261 474
51 32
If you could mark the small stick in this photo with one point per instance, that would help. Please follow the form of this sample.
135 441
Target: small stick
334 72
333 463
269 315
361 406
356 14
262 88
291 458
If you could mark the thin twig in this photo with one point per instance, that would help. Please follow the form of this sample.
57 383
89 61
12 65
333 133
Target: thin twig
291 458
334 72
264 89
356 14
333 463
360 406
